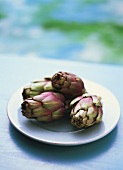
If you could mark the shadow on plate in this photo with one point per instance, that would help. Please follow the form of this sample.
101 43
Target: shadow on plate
62 154
61 125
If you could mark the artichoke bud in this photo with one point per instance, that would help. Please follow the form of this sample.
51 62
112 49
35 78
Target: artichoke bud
68 84
36 88
86 111
47 106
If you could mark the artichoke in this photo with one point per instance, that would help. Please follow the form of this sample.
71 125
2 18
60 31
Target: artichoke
46 107
68 84
86 110
36 88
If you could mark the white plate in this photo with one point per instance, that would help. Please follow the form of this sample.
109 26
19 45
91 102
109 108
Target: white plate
61 132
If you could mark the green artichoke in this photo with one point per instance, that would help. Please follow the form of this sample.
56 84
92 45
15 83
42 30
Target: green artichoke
86 110
68 84
36 88
46 107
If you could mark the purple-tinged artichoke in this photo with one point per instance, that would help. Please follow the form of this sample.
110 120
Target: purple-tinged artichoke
87 110
68 84
46 107
36 88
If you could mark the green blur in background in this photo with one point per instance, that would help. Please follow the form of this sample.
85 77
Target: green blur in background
81 30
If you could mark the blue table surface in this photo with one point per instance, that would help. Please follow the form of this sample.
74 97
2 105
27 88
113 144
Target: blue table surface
20 152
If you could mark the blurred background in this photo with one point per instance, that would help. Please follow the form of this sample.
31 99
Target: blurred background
81 30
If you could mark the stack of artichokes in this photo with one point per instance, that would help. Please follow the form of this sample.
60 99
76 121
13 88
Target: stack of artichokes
49 99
